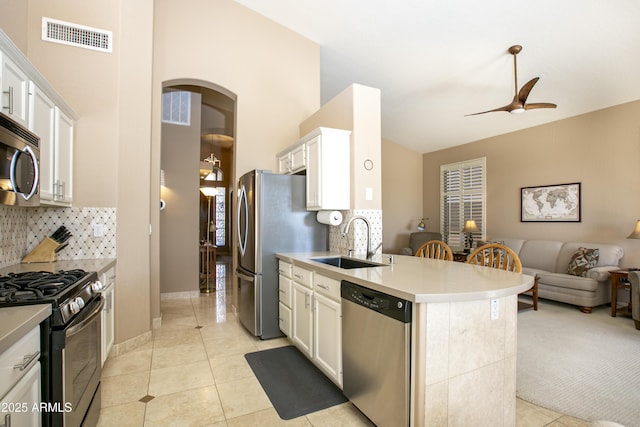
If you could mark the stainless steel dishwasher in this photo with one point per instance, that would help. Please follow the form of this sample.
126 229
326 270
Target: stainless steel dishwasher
376 350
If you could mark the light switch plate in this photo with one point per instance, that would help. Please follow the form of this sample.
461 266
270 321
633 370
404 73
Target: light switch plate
368 193
98 230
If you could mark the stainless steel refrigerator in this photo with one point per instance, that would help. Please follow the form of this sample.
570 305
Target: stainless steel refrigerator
272 218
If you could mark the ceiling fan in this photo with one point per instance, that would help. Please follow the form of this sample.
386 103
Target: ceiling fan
519 105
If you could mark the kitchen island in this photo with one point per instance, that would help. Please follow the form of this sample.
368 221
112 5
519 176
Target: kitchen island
463 336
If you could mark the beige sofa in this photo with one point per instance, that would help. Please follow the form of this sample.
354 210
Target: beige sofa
549 260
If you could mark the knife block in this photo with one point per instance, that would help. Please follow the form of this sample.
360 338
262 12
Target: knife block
44 252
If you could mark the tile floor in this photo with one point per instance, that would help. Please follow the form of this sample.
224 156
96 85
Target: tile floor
194 373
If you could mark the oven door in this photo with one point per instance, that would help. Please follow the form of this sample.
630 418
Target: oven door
81 367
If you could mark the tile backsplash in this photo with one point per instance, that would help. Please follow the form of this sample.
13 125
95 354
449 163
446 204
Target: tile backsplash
357 238
22 229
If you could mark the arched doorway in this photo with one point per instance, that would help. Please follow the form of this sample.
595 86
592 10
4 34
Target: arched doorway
197 137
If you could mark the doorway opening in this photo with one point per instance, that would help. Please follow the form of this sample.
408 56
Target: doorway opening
197 157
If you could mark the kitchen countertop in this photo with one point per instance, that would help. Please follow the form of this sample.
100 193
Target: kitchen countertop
421 280
15 322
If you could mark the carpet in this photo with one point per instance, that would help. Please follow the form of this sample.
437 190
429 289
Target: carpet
583 365
293 384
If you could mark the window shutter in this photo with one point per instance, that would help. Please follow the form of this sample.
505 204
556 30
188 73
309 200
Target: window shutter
462 197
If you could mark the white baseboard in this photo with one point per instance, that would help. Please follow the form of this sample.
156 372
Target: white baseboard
156 322
179 295
130 344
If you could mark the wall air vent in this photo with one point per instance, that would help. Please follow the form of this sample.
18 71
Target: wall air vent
76 35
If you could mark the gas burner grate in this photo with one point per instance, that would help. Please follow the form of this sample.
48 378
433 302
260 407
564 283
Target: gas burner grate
36 285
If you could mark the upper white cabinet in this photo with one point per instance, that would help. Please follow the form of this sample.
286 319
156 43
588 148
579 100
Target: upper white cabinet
29 99
324 155
55 130
63 154
328 169
42 113
15 91
293 159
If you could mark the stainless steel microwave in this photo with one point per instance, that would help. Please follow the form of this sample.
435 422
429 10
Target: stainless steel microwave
19 164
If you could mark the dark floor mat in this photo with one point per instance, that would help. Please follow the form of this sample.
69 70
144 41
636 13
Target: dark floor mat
292 383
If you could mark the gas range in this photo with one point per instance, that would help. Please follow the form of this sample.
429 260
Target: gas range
71 343
67 291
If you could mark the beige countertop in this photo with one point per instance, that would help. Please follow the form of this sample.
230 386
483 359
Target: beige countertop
421 280
15 322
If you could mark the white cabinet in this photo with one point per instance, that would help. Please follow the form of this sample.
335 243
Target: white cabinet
284 163
63 153
285 297
328 169
293 159
302 332
311 316
55 130
30 100
302 308
327 337
298 159
108 314
42 113
15 91
324 156
20 382
328 327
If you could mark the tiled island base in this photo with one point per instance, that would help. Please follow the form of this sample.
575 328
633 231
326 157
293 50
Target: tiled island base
465 363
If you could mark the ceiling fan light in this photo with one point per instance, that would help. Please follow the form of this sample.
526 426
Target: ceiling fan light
518 110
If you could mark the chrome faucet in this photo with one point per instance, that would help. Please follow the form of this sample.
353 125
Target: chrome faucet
345 232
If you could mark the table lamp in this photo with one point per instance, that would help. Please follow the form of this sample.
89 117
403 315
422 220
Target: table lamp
470 227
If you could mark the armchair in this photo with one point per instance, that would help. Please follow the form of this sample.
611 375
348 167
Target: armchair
418 239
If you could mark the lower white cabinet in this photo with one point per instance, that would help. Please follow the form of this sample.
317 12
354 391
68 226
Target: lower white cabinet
284 319
285 296
302 331
108 313
20 382
19 408
328 337
310 314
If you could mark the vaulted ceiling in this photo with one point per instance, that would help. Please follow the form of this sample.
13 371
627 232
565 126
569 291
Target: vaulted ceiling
436 61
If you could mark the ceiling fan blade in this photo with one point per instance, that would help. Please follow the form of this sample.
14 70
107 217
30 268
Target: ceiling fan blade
535 105
505 108
524 92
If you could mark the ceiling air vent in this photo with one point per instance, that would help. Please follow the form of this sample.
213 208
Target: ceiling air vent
76 35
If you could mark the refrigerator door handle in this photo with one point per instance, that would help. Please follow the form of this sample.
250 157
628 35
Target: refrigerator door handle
242 240
244 276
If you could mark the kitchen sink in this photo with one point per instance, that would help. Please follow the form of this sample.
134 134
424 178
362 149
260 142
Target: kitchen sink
348 263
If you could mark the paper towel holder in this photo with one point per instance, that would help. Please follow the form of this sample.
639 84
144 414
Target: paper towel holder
329 217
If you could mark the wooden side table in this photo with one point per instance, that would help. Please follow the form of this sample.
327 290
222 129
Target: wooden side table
619 280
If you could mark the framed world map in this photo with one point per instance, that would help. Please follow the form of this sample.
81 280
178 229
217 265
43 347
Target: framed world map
551 203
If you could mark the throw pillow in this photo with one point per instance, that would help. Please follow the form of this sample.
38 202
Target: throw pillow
582 260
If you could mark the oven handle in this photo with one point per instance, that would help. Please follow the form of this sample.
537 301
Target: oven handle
90 318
